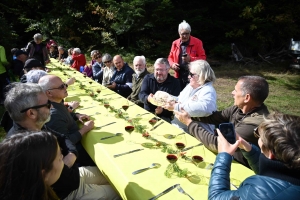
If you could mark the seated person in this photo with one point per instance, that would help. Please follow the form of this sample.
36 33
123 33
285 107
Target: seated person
108 69
68 60
121 81
276 162
98 68
88 69
198 98
247 113
31 64
78 58
53 51
18 63
160 80
30 114
63 121
40 156
140 68
62 54
34 76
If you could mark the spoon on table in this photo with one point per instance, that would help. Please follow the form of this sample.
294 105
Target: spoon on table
153 165
117 134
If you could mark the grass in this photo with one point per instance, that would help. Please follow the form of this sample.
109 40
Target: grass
284 86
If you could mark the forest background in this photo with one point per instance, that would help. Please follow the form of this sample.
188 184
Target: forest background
148 27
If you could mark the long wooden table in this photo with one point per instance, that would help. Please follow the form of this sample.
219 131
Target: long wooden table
119 170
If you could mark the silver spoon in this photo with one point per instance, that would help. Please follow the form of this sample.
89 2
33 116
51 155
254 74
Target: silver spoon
117 134
153 165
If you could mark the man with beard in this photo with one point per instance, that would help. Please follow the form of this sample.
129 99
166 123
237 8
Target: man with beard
62 120
160 80
29 108
139 64
121 81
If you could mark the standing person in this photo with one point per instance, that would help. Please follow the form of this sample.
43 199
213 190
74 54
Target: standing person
37 49
3 73
121 81
30 163
140 68
160 80
246 114
199 97
276 163
78 58
184 50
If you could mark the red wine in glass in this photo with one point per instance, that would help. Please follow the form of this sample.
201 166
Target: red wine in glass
84 76
98 91
172 158
125 107
152 121
106 105
129 129
197 159
180 145
90 82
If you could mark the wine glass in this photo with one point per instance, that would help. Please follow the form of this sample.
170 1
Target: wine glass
152 121
125 105
129 128
198 155
106 105
98 90
180 143
171 169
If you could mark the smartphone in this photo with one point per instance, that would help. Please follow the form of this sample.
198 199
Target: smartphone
227 130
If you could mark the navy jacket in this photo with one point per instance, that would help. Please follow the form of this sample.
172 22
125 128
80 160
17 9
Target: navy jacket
97 72
123 79
275 180
171 85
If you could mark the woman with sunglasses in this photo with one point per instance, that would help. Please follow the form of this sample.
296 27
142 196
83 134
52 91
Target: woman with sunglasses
198 98
108 69
97 68
276 163
29 164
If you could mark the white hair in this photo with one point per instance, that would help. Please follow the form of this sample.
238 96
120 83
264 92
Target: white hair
184 26
38 36
203 70
137 58
76 50
33 76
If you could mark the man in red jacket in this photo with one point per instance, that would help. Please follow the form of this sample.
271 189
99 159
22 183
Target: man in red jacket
79 59
184 50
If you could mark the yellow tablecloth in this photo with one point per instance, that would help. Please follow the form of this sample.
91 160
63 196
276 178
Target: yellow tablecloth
119 170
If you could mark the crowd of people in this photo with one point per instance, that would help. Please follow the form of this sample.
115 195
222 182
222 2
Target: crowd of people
56 166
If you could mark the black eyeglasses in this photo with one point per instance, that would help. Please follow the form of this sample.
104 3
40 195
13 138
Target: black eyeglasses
256 133
48 105
192 75
60 87
107 61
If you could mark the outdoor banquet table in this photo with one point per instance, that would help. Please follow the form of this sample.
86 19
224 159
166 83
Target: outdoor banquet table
118 170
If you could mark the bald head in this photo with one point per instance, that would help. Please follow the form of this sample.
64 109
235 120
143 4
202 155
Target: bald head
54 87
118 62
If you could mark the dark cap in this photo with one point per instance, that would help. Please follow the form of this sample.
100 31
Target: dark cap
31 63
20 52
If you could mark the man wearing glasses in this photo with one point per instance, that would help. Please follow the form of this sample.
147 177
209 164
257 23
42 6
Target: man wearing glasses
62 120
246 114
30 113
184 50
160 80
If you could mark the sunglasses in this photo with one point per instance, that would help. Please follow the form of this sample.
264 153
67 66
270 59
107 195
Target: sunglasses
256 133
107 61
192 75
48 105
62 86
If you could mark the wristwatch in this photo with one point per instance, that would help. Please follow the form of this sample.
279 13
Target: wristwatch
71 108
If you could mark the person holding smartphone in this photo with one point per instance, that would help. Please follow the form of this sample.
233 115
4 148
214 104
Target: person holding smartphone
184 50
276 162
246 114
